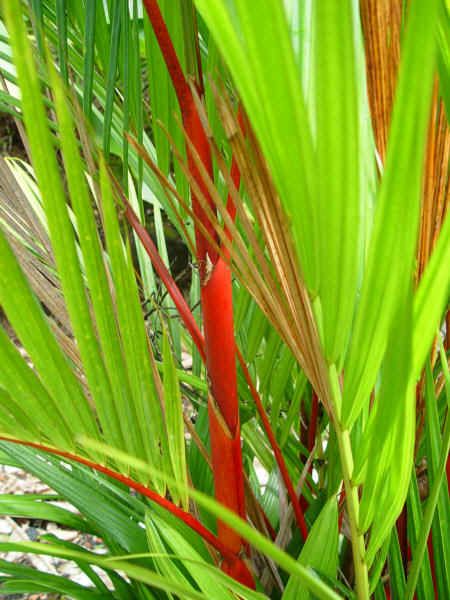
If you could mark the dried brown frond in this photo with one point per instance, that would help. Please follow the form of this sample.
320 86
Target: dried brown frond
436 189
381 22
382 25
31 245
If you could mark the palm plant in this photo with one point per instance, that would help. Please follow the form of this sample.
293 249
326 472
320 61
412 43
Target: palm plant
300 152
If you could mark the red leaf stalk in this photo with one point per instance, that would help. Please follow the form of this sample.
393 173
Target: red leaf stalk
217 308
174 291
277 451
184 516
432 564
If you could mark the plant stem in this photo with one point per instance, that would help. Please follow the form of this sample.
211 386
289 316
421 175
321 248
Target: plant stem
352 501
351 492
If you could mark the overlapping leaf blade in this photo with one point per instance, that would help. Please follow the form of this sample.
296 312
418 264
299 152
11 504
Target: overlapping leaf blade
319 552
339 216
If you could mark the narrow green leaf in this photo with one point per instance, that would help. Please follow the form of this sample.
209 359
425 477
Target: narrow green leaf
109 509
420 572
40 507
338 154
441 521
61 24
416 575
431 299
388 468
164 565
174 418
108 563
111 75
320 551
144 418
397 581
38 23
14 422
126 62
115 394
158 79
204 578
89 52
26 391
27 579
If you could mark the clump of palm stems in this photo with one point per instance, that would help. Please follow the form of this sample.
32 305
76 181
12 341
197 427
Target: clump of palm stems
277 425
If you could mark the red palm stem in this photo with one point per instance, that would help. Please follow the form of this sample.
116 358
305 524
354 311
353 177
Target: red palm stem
217 308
